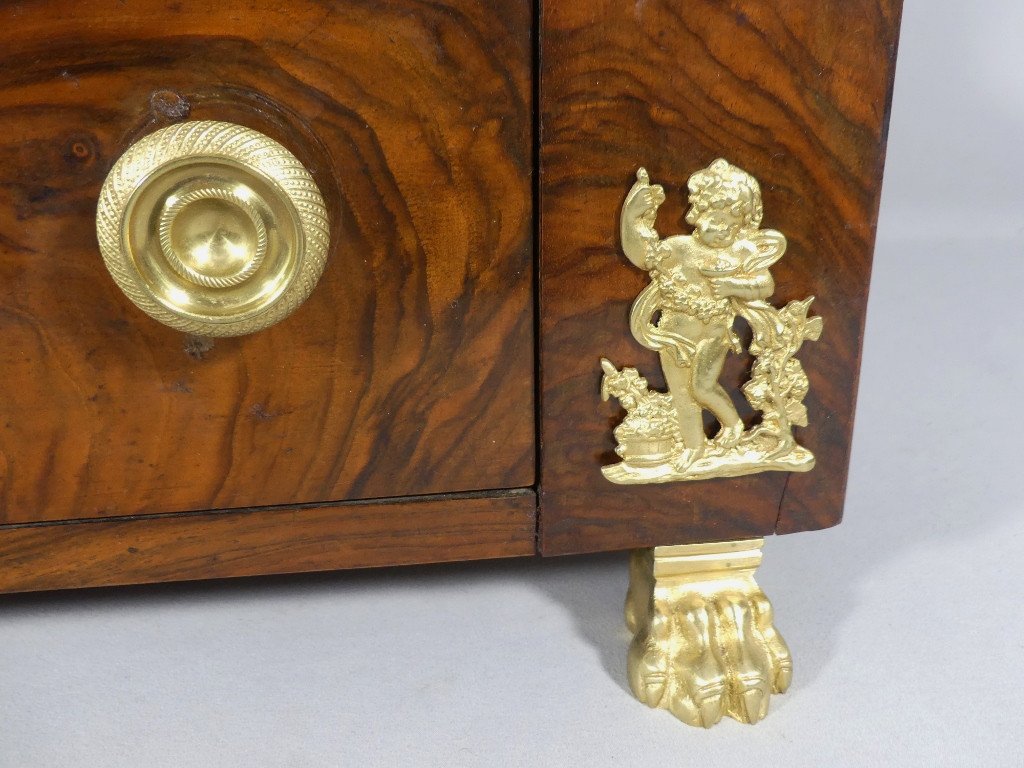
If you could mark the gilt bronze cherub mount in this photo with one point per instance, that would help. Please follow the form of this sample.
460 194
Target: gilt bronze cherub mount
699 284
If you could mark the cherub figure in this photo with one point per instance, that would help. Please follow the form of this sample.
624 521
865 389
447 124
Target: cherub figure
687 312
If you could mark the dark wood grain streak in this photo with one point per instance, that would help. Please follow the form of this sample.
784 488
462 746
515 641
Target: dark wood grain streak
409 370
794 91
284 540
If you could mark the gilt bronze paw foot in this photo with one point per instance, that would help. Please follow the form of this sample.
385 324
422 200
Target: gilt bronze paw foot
704 643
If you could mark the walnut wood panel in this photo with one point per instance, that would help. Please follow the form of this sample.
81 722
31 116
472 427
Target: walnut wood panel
794 91
182 547
409 370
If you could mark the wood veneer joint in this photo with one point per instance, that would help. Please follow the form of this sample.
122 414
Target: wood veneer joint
504 493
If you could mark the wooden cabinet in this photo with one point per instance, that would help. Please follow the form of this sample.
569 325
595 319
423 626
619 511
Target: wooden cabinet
796 92
467 151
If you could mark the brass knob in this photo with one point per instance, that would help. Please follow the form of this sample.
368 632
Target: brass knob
212 228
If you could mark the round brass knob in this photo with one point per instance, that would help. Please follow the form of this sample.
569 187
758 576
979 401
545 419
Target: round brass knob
212 228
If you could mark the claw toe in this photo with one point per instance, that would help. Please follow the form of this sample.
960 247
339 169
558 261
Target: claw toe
754 702
783 676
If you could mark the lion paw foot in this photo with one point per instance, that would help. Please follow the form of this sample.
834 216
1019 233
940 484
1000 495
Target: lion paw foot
705 649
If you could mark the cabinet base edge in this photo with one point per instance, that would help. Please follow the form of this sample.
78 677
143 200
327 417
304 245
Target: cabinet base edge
268 541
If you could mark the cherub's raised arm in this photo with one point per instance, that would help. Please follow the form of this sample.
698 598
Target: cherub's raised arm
636 223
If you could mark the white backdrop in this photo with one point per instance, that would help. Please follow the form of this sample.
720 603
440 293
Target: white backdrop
905 622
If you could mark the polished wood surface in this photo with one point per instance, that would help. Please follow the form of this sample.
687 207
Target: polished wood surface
409 370
262 541
797 93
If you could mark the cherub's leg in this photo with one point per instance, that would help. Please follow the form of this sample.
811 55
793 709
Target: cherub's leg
707 367
688 411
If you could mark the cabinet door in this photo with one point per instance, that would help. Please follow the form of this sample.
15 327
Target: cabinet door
408 371
796 93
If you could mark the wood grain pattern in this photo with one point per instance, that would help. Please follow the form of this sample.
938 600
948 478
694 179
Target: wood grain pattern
264 541
409 370
794 91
